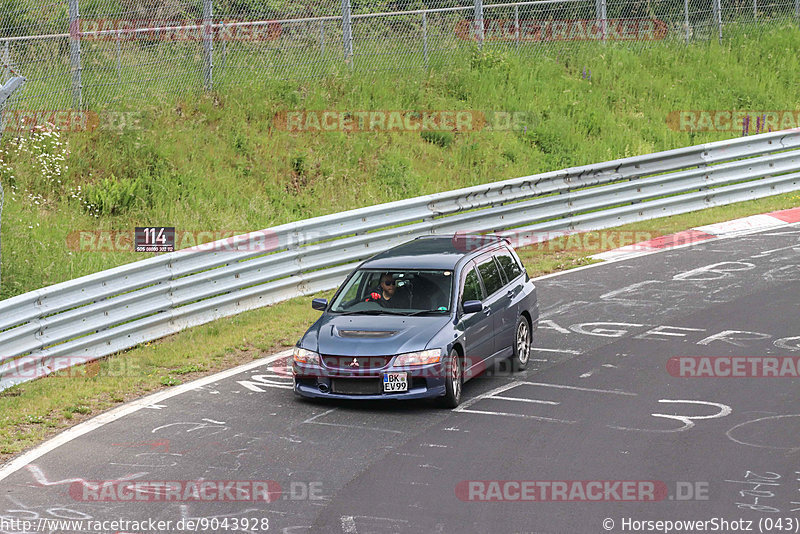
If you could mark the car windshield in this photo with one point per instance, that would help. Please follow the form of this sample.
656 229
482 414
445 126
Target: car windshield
401 292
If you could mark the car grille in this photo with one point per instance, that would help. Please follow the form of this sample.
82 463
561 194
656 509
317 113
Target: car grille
356 386
365 363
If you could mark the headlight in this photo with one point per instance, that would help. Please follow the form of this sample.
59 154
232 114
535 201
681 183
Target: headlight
305 356
424 357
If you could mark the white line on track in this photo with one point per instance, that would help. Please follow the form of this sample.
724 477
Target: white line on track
523 416
565 351
534 401
591 390
134 406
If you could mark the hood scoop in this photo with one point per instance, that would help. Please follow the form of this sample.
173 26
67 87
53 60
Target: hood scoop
341 332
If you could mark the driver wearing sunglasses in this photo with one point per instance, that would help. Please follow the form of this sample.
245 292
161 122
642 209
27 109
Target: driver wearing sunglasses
385 292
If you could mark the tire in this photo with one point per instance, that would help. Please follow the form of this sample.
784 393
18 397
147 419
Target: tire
454 382
522 345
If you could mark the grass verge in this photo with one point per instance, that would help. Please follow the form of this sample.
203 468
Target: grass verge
37 410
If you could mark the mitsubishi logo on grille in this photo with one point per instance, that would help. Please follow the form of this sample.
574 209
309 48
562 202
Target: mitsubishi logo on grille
354 363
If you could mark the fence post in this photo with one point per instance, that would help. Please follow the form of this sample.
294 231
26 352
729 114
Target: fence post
75 54
717 7
600 9
686 18
425 39
347 31
5 93
224 62
479 22
208 44
322 37
755 9
516 25
119 58
6 61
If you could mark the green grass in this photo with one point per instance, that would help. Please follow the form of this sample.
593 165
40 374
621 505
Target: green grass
219 163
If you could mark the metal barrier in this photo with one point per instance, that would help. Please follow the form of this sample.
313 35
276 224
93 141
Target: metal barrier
100 314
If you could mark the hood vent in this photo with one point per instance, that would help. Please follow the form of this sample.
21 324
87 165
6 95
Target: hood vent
364 333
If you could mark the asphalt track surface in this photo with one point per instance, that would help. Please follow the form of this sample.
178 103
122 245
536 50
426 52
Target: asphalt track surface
597 404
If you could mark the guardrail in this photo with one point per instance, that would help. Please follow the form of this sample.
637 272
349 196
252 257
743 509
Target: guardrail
90 317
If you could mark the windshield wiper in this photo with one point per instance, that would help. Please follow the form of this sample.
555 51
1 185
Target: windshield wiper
420 312
370 312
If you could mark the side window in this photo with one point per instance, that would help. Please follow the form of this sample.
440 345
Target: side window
492 280
472 287
509 265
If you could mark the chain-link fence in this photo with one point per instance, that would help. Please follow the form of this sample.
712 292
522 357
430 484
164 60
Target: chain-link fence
89 53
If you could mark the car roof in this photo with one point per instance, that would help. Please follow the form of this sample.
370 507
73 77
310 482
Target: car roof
432 252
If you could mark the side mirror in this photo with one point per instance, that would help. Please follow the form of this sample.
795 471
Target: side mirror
320 304
472 306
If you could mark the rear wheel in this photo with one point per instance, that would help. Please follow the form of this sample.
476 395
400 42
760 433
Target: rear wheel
454 381
522 345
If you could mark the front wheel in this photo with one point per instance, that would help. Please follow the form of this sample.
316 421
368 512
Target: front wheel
522 345
454 381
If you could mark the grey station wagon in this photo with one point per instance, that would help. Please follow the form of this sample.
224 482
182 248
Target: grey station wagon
419 320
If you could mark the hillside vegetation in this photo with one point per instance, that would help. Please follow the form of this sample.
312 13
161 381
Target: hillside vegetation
220 162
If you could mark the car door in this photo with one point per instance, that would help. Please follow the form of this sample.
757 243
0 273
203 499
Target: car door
513 275
478 327
498 303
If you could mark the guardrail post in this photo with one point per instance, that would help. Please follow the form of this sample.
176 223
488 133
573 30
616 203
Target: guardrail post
479 22
425 39
208 44
75 53
347 31
686 18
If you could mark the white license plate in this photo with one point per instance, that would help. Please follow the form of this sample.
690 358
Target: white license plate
393 382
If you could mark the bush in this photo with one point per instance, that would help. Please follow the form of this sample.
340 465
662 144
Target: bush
112 196
443 139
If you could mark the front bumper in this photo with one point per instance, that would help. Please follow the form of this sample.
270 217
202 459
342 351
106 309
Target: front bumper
319 382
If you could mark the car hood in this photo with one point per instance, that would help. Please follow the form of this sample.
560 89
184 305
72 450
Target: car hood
372 335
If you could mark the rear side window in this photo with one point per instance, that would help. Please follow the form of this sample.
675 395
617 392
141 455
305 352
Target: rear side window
472 287
509 265
492 280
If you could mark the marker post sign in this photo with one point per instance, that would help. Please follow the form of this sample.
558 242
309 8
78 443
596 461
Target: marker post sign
154 239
